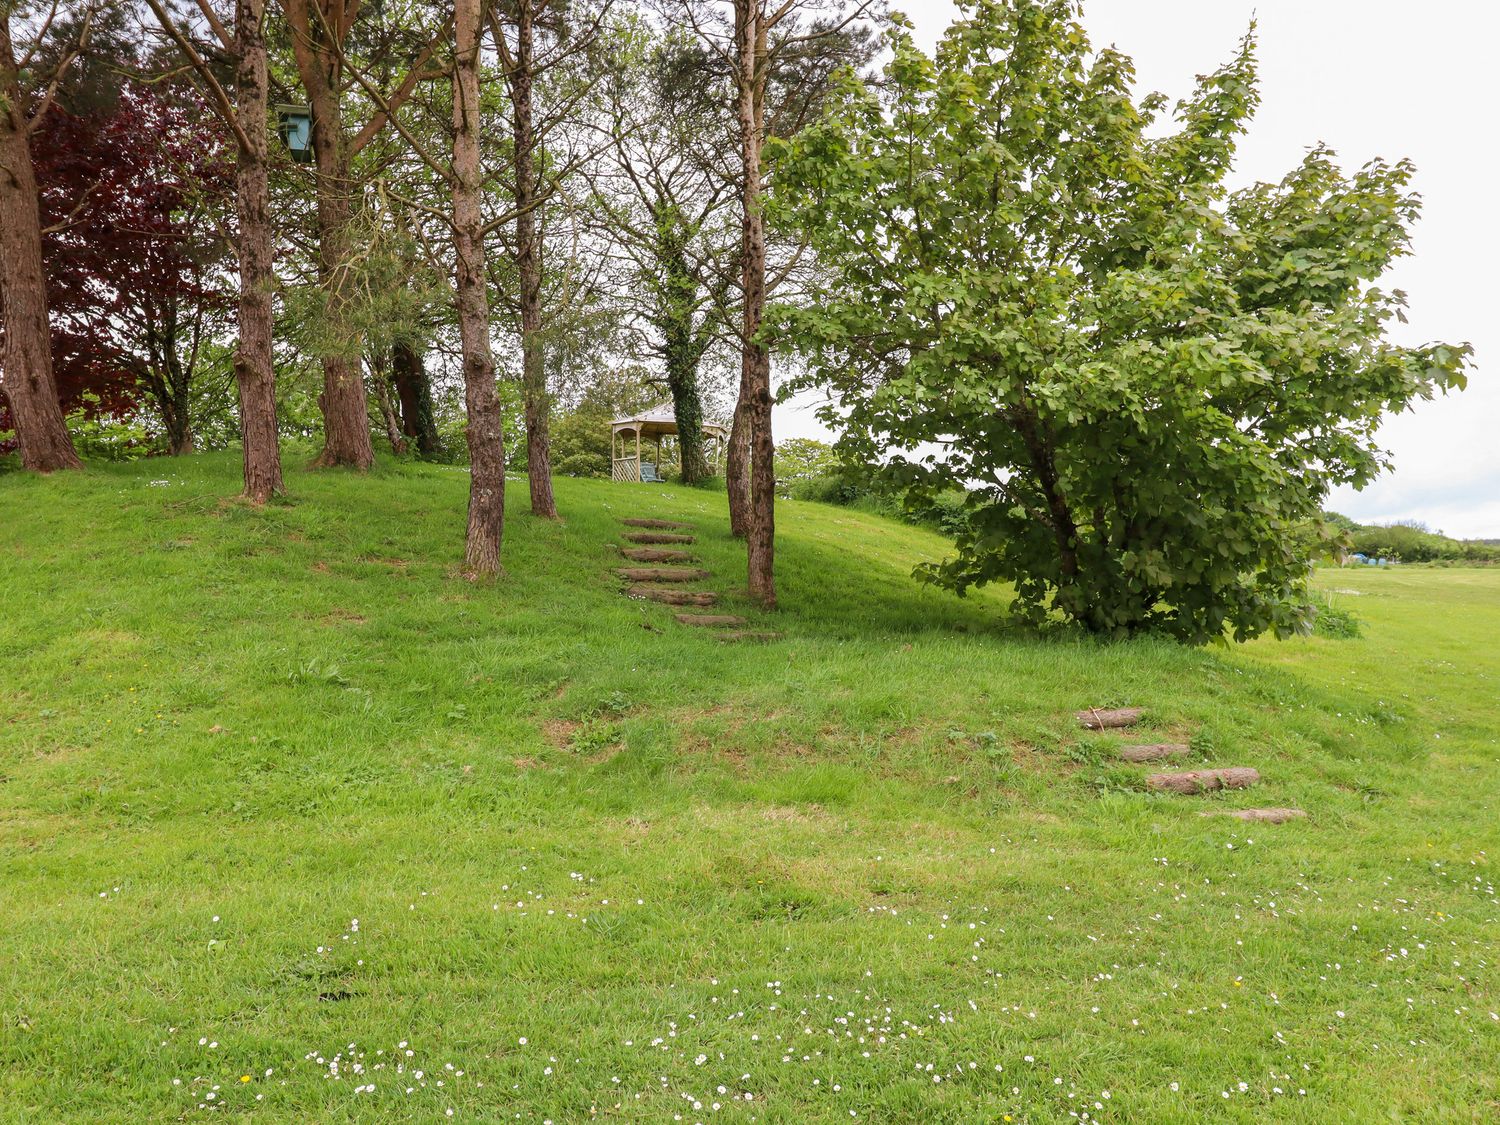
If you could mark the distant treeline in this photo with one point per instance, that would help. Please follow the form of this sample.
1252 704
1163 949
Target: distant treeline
1410 541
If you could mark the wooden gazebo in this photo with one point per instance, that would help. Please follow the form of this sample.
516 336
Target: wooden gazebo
657 423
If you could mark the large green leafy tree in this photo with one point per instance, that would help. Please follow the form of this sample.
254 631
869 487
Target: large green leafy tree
1037 291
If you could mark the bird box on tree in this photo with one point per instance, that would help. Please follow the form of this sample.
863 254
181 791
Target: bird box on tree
294 123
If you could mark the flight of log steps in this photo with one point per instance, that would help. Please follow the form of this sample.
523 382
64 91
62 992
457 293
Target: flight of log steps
1189 782
663 542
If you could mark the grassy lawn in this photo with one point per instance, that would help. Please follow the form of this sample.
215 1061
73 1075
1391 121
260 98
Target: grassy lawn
298 825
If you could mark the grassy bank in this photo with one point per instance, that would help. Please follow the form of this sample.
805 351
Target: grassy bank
606 867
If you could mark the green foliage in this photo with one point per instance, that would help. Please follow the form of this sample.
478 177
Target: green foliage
1332 619
1147 383
580 442
803 459
103 437
1415 543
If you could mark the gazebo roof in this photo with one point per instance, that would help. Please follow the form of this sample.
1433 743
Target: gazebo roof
657 421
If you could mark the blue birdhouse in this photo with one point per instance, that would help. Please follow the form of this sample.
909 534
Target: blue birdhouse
294 123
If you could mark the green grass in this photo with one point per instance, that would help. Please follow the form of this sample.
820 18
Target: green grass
603 865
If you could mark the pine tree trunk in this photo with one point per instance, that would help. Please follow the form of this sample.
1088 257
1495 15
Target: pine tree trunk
253 371
415 392
346 422
755 361
486 449
26 365
529 273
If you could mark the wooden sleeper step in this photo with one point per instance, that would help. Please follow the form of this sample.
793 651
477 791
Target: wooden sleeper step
1203 781
1095 719
665 525
658 537
1153 751
711 620
662 574
747 635
668 596
656 555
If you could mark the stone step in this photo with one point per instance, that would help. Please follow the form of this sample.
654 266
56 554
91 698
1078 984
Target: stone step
658 537
711 620
1154 751
1203 781
657 555
1095 719
662 574
747 635
668 596
1261 816
663 525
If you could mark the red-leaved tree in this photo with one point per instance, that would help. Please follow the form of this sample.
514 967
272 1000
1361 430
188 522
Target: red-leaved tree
134 201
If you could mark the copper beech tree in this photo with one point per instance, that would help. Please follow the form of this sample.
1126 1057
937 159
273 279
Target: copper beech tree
26 375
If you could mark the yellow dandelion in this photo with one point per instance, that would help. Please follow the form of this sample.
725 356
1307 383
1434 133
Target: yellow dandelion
244 1078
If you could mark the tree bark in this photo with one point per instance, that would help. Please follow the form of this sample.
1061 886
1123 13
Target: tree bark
253 371
529 271
315 35
687 408
414 389
26 364
737 473
392 420
486 448
755 360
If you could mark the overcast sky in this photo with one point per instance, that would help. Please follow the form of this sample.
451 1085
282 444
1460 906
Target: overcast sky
1371 78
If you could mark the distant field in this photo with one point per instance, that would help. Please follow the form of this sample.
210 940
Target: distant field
298 825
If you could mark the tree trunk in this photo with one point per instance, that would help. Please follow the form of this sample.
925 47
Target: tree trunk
253 371
415 392
529 273
684 345
755 361
687 408
26 364
486 448
346 422
737 473
171 384
388 415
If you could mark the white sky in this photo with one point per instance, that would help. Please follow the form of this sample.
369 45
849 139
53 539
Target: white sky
1371 78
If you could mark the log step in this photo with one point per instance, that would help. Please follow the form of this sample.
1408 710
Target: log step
657 537
662 574
711 620
1154 751
747 635
659 524
1263 816
656 555
1203 781
669 596
1095 719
